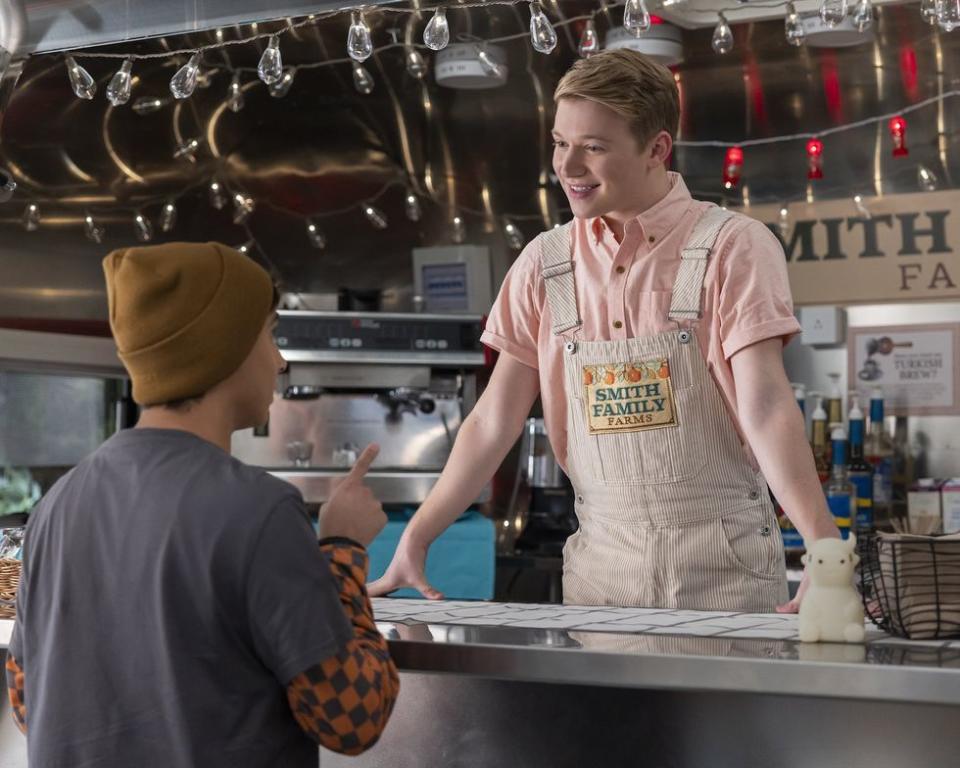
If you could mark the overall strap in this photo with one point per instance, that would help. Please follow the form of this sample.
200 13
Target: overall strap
687 300
556 251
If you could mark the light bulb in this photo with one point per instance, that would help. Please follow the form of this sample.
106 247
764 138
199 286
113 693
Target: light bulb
948 14
282 87
146 105
375 216
861 208
82 83
143 228
543 36
361 79
270 68
184 82
793 27
514 235
487 63
589 42
926 178
416 66
722 41
636 17
359 43
92 231
784 220
187 150
316 237
436 34
118 91
243 206
928 11
245 248
412 206
218 196
862 15
31 217
832 12
458 230
168 216
235 97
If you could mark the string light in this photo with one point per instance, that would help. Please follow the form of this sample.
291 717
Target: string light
927 179
833 12
898 132
118 91
863 15
412 206
187 150
636 17
861 208
243 206
948 14
142 228
168 216
376 217
147 105
93 232
270 68
359 42
416 66
217 195
245 248
487 63
436 35
31 217
82 83
362 80
282 87
784 224
543 36
814 159
928 11
315 236
184 82
235 97
722 41
793 27
458 230
513 235
732 167
589 42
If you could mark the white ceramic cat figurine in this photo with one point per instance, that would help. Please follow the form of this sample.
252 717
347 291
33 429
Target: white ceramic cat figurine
831 610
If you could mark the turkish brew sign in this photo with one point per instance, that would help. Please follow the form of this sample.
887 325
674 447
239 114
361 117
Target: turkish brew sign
906 248
629 397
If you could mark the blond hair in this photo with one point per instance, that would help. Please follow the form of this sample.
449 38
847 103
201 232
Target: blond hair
632 85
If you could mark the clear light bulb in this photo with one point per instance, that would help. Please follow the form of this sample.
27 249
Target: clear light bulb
926 178
948 14
543 36
928 11
168 216
793 27
147 105
243 206
832 12
235 97
218 196
270 68
861 208
118 91
436 35
143 228
93 231
31 217
361 79
246 247
636 17
82 83
514 236
458 229
487 63
589 42
375 216
187 150
412 206
359 42
316 237
416 66
862 15
184 82
722 41
282 87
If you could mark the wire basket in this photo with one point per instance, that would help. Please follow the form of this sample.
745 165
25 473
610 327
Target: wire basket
9 581
911 585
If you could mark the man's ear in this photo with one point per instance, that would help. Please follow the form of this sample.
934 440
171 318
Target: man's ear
660 148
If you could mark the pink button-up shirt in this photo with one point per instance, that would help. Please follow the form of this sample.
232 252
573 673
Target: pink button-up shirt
624 291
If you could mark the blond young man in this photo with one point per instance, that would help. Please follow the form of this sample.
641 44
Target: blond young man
652 328
175 608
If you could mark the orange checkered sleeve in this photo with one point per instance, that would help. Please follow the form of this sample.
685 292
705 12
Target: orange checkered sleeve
15 693
344 702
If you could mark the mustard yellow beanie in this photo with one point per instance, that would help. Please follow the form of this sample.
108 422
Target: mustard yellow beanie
184 315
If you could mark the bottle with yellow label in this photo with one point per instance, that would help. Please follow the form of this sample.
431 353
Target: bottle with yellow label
819 440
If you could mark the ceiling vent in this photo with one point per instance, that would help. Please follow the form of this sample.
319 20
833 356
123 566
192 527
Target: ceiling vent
662 42
471 66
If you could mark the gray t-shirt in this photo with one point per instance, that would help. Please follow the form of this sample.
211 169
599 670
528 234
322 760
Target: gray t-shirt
169 594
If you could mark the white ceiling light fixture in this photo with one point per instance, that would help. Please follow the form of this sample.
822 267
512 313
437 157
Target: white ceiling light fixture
661 42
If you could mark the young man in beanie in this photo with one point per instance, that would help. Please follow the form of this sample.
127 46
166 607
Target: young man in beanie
652 328
175 608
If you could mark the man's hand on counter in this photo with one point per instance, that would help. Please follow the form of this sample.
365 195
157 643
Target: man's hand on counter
352 511
407 569
794 605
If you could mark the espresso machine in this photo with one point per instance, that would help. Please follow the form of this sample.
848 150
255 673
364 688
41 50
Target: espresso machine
403 381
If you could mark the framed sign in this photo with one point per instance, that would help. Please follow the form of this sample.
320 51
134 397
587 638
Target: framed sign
917 366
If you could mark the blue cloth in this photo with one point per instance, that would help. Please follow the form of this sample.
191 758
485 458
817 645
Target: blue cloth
460 562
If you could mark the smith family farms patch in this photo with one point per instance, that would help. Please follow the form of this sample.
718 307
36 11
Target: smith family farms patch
629 397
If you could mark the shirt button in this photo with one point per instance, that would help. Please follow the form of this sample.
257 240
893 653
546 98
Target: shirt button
617 324
621 270
651 238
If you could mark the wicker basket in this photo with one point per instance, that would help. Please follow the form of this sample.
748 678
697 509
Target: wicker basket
9 581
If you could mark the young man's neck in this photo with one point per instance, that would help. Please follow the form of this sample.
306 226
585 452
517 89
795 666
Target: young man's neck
204 419
617 220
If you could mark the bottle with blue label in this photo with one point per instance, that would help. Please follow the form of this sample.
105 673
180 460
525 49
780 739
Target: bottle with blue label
840 492
859 470
879 452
